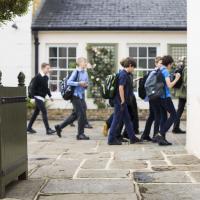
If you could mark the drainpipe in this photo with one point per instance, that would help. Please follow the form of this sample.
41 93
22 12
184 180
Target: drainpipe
36 43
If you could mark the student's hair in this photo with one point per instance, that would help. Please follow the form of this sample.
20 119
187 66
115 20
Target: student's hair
122 62
127 62
43 65
80 59
158 59
166 60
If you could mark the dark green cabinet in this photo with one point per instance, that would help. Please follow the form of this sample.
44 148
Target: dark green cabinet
13 137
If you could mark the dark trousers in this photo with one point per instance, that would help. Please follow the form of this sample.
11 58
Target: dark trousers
181 107
133 110
121 116
167 106
39 106
154 116
79 113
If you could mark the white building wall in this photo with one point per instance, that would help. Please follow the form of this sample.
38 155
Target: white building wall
15 49
122 38
193 122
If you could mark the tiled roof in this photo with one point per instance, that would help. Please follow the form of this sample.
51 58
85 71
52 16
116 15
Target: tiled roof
112 15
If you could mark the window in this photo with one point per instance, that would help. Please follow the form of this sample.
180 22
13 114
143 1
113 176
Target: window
63 61
177 51
145 56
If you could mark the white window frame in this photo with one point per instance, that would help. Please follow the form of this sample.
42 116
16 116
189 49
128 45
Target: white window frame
147 45
57 94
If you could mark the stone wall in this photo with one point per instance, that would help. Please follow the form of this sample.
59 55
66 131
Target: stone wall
103 114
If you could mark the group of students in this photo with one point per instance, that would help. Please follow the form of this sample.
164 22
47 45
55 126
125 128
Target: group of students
162 110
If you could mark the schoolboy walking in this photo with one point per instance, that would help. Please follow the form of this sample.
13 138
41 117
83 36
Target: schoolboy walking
39 90
79 80
166 101
181 94
154 111
121 113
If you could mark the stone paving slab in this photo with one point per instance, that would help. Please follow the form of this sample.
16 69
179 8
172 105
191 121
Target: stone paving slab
170 191
184 160
95 164
138 155
130 196
137 164
88 186
60 169
161 177
177 168
103 174
195 176
24 190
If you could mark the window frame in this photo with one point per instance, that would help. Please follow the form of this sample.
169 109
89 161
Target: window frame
147 45
57 94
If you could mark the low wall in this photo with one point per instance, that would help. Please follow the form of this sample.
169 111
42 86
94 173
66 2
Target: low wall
93 114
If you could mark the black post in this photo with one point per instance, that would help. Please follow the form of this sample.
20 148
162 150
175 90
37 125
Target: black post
37 43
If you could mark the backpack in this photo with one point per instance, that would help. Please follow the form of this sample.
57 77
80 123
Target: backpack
141 89
109 86
155 85
67 91
179 83
30 88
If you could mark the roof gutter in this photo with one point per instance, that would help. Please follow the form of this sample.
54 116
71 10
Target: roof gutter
38 28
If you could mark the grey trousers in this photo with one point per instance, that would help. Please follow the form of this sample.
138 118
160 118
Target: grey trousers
79 113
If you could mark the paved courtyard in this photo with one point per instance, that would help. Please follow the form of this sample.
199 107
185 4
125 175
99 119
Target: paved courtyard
66 169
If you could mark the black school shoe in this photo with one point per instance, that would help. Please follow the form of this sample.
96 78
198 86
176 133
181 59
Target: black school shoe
82 137
135 140
58 131
50 131
31 131
89 126
162 141
146 138
115 142
178 131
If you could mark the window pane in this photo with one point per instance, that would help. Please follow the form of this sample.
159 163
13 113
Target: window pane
142 52
152 52
53 52
133 52
63 74
72 63
72 52
53 75
53 63
142 63
62 63
62 52
53 86
151 63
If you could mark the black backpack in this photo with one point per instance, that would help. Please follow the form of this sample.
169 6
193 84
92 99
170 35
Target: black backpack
141 89
109 86
155 85
30 88
67 91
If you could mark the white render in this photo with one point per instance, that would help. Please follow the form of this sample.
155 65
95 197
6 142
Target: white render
193 121
15 49
122 38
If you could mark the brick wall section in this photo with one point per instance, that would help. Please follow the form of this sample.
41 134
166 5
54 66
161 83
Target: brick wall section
103 114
